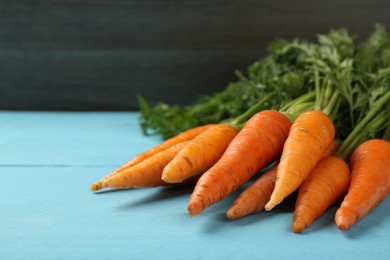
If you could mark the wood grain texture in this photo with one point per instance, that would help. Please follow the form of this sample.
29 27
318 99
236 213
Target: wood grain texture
48 160
98 54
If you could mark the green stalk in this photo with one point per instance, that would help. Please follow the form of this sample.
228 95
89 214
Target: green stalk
372 127
328 99
309 96
332 106
361 131
293 112
317 88
253 110
327 93
301 104
386 132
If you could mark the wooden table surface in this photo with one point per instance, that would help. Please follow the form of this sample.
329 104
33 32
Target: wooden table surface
49 159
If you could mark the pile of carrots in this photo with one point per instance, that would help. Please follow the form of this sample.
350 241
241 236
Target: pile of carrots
294 148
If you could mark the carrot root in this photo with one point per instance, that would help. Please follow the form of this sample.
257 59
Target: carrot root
146 173
259 143
96 186
200 154
184 136
325 185
309 137
370 182
254 198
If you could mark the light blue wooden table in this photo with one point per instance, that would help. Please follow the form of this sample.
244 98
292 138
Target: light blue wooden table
49 160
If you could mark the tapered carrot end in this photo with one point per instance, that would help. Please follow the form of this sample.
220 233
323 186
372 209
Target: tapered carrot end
344 218
271 204
96 186
298 226
170 178
195 207
281 191
234 212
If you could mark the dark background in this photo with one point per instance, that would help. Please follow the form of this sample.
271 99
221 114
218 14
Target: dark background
98 54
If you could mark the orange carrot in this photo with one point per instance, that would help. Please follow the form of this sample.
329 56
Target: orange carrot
184 136
259 143
309 137
146 173
200 153
325 185
332 149
370 182
254 198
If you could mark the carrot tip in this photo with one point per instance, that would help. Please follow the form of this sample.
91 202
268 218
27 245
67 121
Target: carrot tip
270 205
298 226
195 207
96 186
342 227
168 178
344 218
342 223
234 213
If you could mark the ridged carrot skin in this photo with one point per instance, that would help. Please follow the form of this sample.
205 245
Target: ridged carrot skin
200 153
146 173
254 198
259 143
370 182
326 184
184 136
309 137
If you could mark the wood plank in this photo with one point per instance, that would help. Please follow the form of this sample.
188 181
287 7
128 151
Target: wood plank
70 139
48 212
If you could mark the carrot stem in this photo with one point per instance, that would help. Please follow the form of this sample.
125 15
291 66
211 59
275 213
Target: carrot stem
331 106
317 87
253 110
386 134
361 130
304 98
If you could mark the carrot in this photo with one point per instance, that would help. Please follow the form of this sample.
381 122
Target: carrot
332 149
200 153
259 143
254 198
309 137
370 182
325 185
146 173
184 136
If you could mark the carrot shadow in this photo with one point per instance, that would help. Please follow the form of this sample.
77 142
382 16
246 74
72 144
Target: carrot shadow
369 223
220 221
160 194
111 191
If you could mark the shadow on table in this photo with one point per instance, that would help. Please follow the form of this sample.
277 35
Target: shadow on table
220 221
161 194
369 223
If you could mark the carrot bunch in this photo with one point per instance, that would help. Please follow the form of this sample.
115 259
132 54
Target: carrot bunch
144 170
359 186
319 144
186 156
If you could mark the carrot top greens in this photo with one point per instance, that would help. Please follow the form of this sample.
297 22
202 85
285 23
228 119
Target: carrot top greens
348 78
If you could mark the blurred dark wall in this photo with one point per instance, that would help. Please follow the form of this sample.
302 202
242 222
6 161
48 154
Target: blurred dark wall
98 54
